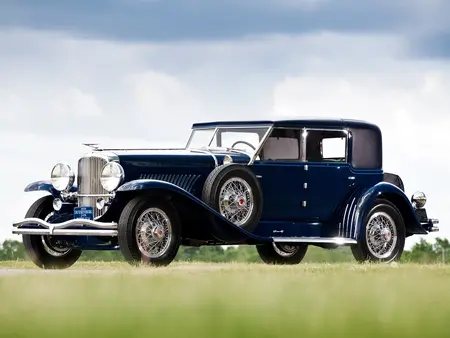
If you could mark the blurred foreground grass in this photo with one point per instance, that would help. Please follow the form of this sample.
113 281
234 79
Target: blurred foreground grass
226 300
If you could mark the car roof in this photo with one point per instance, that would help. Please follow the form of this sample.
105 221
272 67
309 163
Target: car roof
291 122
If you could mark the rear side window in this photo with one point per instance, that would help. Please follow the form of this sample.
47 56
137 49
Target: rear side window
366 149
326 146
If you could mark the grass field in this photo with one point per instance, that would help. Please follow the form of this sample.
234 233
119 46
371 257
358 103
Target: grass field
226 300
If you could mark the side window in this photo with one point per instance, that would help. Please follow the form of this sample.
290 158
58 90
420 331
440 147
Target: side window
282 145
326 146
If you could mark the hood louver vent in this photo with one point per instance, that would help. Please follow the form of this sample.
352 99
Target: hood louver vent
184 181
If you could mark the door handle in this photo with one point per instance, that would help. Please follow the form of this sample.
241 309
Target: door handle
351 177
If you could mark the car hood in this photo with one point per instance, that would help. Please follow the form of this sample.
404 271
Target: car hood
175 157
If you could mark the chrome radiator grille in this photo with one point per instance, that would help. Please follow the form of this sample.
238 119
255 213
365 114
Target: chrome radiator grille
89 171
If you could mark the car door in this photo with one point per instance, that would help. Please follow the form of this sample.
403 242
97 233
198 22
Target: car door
329 177
281 175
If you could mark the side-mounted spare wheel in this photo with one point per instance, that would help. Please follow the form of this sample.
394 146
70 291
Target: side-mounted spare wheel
383 234
149 231
234 191
45 251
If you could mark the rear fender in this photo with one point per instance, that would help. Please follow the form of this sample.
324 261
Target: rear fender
46 186
394 195
222 229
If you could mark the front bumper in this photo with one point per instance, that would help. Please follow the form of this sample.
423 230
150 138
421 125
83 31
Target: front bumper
73 227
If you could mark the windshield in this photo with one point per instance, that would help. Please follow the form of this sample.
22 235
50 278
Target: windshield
238 138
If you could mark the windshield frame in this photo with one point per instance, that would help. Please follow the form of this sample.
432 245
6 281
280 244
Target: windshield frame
252 154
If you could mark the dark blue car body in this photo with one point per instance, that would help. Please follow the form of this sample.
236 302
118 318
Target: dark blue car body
304 201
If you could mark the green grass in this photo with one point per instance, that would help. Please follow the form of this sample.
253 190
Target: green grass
231 300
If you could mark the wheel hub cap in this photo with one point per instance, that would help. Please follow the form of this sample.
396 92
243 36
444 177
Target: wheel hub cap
236 201
381 235
153 232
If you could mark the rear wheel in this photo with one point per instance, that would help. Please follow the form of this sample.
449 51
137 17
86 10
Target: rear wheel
149 232
282 254
383 235
45 251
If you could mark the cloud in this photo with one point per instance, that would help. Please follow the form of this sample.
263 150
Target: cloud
175 20
57 91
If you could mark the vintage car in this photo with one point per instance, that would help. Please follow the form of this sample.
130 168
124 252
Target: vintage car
279 185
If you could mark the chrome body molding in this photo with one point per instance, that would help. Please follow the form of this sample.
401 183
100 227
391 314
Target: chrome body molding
67 232
331 240
346 227
102 228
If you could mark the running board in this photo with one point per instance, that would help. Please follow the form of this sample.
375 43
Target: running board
332 240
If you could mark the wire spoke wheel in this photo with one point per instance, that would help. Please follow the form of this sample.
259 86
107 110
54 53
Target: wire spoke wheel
236 200
153 232
381 235
285 250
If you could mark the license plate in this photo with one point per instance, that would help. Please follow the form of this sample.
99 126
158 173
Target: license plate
83 213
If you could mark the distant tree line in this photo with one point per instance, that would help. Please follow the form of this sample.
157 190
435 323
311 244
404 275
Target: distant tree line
421 252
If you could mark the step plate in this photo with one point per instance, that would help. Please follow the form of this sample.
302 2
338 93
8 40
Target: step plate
333 240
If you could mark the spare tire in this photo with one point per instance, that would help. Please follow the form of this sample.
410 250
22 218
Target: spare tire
234 191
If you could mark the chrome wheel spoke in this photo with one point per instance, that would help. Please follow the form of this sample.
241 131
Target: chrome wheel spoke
381 235
285 250
236 200
153 232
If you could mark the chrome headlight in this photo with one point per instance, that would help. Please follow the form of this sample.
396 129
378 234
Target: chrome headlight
419 199
62 177
112 175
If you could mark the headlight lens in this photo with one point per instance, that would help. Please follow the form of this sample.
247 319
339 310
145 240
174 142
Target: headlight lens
112 175
62 177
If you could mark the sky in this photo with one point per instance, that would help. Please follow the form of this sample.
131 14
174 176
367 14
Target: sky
140 72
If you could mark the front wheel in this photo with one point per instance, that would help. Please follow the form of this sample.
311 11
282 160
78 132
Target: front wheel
281 254
383 234
149 232
48 252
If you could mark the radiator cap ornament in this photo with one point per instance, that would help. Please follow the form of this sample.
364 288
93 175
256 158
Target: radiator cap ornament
93 146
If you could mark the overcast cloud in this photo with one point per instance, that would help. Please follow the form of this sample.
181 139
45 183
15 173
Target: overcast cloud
67 78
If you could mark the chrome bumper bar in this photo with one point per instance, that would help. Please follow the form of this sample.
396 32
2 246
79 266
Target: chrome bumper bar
431 225
103 229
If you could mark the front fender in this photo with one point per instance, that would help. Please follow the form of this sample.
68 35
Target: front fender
396 196
46 186
219 227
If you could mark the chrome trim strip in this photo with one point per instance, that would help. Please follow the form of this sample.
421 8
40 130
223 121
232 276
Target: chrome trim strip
66 232
333 240
261 143
344 223
66 224
351 224
95 195
136 149
348 223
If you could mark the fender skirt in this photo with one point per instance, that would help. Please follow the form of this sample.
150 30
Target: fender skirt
222 229
396 196
46 186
